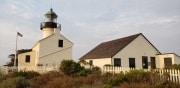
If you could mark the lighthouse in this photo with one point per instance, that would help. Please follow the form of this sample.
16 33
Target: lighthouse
50 26
48 51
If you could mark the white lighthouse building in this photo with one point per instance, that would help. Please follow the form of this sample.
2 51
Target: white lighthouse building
48 52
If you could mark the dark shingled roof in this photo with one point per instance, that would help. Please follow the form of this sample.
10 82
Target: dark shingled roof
110 48
24 51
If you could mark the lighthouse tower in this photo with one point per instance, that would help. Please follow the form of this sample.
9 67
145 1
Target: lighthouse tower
50 26
49 51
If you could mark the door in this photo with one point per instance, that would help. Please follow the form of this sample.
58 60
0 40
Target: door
132 62
144 62
153 62
91 63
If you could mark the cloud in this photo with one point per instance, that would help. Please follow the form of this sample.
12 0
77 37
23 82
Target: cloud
17 17
21 8
89 22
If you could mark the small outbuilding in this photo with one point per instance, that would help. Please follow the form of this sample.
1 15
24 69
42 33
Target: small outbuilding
134 51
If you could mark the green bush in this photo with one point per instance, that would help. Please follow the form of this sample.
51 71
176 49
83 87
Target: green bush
138 76
84 72
116 79
108 65
17 82
69 67
120 79
96 70
26 75
176 66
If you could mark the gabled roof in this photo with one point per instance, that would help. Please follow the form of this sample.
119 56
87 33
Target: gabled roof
110 48
42 40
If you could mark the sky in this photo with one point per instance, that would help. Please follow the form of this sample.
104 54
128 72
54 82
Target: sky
87 23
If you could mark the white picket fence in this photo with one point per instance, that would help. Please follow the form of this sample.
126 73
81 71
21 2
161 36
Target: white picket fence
115 69
172 74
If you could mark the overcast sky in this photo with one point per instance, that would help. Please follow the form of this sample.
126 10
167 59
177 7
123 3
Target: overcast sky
87 23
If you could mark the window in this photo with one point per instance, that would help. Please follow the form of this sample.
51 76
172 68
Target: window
153 62
132 62
60 43
27 59
117 62
167 62
91 62
144 62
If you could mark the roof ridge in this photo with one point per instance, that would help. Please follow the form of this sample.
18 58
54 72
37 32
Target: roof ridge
109 48
123 37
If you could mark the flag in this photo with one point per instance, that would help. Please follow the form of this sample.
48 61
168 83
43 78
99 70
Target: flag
19 34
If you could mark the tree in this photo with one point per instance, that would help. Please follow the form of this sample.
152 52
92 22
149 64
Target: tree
69 67
11 63
12 56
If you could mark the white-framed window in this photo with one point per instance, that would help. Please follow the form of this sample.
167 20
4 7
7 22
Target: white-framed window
117 61
28 59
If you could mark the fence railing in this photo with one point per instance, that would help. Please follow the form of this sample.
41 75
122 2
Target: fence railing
116 69
172 74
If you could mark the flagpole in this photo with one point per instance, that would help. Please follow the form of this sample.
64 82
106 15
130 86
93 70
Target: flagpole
16 51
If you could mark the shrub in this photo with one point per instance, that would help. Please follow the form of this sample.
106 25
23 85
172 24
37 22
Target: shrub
108 65
5 76
120 79
69 67
134 85
17 82
86 86
116 79
137 76
27 75
53 79
84 72
42 80
176 66
91 79
96 70
63 82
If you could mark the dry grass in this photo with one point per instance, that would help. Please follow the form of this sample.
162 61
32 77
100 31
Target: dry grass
137 79
134 85
72 82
